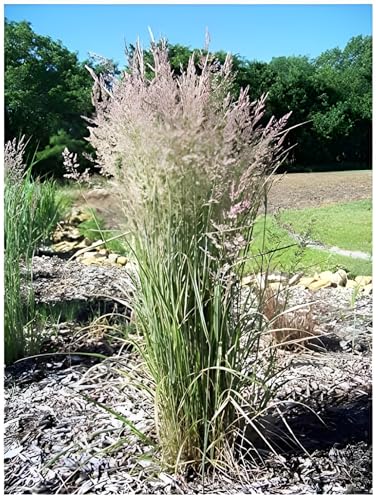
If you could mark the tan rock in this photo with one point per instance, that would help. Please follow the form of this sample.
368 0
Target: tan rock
351 284
368 289
327 275
73 234
276 286
83 244
77 216
57 236
122 260
84 216
248 280
103 251
340 277
93 261
306 281
363 280
316 285
64 246
89 255
112 257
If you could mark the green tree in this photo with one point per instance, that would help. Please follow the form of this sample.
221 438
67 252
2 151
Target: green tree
345 119
46 90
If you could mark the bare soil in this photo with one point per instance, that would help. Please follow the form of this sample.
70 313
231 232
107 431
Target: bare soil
317 189
288 191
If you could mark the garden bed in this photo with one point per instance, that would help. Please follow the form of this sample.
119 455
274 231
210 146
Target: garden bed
57 440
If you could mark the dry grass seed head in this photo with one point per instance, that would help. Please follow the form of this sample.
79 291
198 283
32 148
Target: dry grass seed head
290 329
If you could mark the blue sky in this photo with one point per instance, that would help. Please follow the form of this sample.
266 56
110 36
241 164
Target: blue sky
252 31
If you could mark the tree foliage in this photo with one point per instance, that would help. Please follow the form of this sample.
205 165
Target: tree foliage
47 91
332 92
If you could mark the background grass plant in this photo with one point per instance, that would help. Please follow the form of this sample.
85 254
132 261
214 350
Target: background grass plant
30 213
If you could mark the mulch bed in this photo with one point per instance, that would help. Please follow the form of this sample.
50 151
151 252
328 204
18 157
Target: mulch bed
58 439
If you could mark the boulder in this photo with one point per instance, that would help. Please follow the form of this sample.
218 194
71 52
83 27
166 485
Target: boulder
316 285
367 290
73 234
341 277
112 257
306 281
248 280
121 260
363 280
328 276
64 246
94 261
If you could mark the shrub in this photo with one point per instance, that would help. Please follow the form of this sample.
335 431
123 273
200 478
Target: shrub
30 212
193 168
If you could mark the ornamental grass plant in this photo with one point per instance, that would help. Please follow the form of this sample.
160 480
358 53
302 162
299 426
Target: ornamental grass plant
30 213
193 167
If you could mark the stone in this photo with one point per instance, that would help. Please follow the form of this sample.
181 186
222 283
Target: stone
112 257
57 236
83 244
103 251
64 246
363 280
89 255
276 286
316 285
77 216
367 290
74 234
306 281
351 284
122 260
328 276
341 277
247 280
84 216
93 261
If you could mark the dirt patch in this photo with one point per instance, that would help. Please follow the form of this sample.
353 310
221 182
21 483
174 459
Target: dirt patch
106 204
288 191
318 189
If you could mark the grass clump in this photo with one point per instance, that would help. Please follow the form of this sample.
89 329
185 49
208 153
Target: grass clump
30 213
193 168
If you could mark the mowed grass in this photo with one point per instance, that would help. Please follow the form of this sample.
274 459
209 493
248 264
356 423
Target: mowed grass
347 226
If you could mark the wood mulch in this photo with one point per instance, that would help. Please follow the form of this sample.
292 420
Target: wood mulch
59 437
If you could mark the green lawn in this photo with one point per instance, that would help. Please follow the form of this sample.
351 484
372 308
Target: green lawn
347 226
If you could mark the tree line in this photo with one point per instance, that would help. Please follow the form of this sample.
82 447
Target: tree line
48 91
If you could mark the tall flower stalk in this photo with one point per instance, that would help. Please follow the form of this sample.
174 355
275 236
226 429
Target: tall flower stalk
193 167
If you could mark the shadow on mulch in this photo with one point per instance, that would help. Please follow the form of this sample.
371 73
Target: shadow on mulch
302 429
